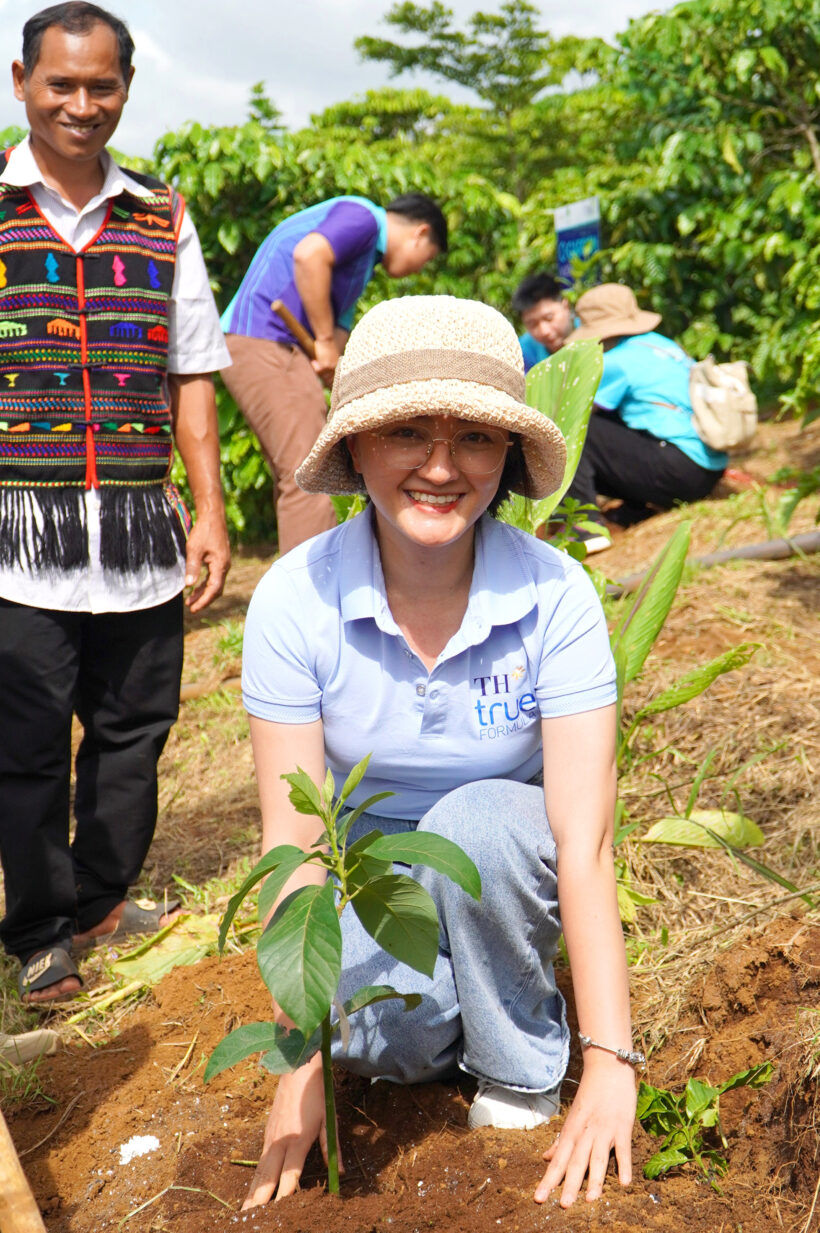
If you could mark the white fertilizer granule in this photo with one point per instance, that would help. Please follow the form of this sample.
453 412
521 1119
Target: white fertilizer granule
138 1145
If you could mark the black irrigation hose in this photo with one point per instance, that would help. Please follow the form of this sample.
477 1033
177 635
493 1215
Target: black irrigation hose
771 550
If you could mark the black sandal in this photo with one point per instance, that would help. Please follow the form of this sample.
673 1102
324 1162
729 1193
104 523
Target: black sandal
139 917
44 968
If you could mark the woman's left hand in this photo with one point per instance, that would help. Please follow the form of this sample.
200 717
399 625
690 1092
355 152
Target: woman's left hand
601 1118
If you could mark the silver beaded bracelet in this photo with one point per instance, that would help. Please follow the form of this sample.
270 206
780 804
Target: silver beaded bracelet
633 1056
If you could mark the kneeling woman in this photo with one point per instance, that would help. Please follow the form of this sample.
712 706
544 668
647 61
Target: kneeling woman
472 661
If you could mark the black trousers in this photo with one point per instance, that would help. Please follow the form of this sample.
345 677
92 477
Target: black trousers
642 470
120 672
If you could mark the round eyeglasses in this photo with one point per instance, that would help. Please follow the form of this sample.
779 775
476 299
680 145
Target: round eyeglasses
475 451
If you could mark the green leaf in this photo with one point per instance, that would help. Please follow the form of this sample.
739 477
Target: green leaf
239 1044
425 848
300 955
343 828
694 831
354 778
399 914
368 995
290 1050
272 888
698 680
269 862
662 1162
563 387
754 1078
643 620
304 795
699 1097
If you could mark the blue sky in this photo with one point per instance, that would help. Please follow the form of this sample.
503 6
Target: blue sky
197 59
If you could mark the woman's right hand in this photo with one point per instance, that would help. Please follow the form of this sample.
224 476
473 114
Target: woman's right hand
296 1120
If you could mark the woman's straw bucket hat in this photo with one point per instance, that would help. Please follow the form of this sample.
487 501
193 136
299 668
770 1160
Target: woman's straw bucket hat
431 355
610 311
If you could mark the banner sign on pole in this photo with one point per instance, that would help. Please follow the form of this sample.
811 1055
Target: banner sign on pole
578 234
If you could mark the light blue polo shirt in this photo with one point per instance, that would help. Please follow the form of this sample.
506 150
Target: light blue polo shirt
320 642
646 380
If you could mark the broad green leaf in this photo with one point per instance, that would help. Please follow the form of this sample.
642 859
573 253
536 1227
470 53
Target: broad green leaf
425 848
304 795
699 1096
272 888
756 1077
643 620
362 868
399 914
363 843
270 861
698 680
694 831
343 828
354 778
368 995
662 1162
563 387
300 955
290 1050
239 1044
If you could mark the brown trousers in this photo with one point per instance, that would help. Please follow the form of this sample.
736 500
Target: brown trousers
281 397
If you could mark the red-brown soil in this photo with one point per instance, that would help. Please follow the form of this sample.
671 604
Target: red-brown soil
411 1163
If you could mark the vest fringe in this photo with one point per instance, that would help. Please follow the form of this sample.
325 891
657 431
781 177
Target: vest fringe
138 528
43 529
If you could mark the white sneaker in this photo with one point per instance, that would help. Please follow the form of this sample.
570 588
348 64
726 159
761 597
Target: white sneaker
506 1109
594 543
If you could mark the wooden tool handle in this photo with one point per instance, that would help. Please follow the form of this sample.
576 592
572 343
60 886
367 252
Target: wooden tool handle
296 328
18 1211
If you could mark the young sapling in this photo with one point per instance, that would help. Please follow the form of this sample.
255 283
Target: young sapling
300 951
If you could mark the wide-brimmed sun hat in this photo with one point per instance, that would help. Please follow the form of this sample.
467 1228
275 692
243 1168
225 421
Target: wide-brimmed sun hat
611 310
431 355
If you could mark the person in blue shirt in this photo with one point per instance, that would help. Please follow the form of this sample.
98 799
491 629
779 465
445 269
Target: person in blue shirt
546 316
641 445
472 662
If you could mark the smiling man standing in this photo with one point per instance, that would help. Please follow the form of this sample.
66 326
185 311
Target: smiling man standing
108 337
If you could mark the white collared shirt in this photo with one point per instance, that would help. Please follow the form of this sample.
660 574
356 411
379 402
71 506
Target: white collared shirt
195 345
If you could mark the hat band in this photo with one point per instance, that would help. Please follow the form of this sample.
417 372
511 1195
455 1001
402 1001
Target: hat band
426 364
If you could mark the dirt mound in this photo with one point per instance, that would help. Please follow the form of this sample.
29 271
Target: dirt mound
410 1162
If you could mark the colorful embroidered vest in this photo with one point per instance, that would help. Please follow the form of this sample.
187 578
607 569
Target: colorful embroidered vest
83 392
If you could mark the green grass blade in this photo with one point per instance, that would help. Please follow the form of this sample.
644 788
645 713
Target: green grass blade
765 872
300 955
425 848
269 862
643 620
399 914
698 680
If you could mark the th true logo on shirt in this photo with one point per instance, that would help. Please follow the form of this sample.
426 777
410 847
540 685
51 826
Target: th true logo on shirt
500 709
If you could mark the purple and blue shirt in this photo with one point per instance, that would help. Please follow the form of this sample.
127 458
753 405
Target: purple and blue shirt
356 230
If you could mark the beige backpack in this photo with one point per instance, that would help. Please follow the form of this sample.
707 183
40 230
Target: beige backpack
724 409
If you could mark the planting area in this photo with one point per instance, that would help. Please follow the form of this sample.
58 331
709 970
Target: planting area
725 961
